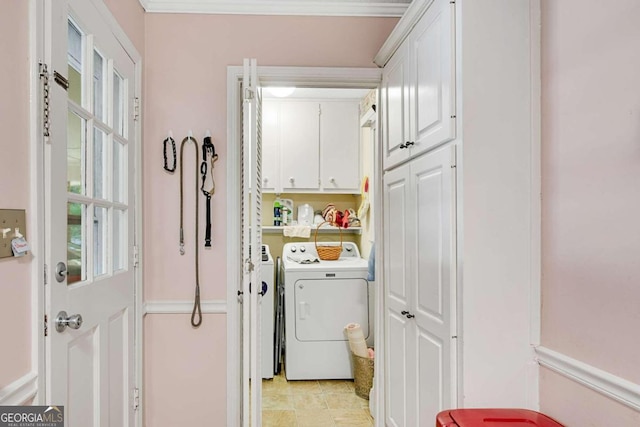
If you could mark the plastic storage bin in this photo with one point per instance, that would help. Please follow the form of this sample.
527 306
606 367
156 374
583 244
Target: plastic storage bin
494 418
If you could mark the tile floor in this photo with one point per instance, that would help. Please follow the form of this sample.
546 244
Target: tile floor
312 404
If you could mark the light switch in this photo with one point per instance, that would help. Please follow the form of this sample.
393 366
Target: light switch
10 220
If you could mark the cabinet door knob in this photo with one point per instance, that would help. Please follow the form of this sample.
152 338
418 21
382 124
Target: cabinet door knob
409 143
404 312
291 179
332 180
408 315
265 180
404 145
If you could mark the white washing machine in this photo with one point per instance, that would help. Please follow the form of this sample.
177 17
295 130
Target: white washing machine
320 300
267 313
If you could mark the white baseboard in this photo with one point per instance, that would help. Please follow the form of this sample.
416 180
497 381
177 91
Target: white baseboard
20 391
184 307
605 383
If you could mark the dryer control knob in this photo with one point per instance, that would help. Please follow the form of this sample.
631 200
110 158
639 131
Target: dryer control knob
293 249
302 249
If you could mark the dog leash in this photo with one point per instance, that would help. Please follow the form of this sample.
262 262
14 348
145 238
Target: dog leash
208 186
197 310
165 143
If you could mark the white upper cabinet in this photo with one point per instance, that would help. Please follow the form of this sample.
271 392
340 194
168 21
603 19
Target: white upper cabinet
432 80
270 146
339 146
299 146
311 146
418 88
395 108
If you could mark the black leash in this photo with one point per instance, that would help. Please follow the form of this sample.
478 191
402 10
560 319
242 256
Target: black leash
208 187
197 310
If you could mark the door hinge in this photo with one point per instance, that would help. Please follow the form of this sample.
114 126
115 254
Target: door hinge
44 77
46 279
136 109
46 325
136 257
248 94
136 398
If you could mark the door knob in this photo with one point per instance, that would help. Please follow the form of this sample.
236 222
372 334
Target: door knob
409 144
406 314
61 271
62 321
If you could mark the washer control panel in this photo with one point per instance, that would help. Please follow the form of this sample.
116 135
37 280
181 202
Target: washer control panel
349 249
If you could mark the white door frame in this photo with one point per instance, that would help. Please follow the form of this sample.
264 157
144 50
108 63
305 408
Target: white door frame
289 76
37 43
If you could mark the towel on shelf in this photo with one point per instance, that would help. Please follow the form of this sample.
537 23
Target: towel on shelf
356 340
296 231
303 259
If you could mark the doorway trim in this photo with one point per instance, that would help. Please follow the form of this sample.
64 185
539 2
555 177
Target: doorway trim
38 24
290 76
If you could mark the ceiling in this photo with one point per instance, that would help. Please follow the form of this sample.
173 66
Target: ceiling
391 8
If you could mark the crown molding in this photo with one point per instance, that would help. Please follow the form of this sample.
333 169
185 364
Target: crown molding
277 7
402 29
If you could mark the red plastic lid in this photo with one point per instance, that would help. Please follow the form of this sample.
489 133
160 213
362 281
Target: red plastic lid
499 418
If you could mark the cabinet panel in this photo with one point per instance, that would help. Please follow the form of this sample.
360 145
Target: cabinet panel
396 201
432 93
340 146
300 145
395 104
396 370
270 146
430 386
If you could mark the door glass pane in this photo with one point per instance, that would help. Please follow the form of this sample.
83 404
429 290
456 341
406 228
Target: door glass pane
76 237
99 74
100 241
119 171
118 104
99 164
75 60
119 239
76 154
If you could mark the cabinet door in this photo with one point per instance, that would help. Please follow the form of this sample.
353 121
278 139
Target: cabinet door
300 145
432 78
398 328
395 108
340 146
432 283
270 146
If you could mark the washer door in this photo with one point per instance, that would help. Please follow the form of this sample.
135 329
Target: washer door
324 307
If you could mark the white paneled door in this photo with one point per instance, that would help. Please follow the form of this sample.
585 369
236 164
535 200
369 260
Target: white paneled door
89 199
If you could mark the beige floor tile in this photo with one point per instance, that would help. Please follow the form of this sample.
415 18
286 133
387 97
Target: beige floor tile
351 417
278 418
345 401
314 418
309 401
336 386
306 387
277 401
274 386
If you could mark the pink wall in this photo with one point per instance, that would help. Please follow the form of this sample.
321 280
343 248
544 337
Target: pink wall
15 276
130 16
591 192
186 76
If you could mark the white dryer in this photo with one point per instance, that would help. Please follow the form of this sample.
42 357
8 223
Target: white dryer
320 300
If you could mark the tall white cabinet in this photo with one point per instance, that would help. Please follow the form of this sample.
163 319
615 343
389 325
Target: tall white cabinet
461 207
419 273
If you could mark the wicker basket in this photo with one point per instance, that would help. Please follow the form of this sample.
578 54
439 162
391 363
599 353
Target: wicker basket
328 252
362 375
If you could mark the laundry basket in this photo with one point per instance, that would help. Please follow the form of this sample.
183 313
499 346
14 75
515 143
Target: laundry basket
362 375
328 252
